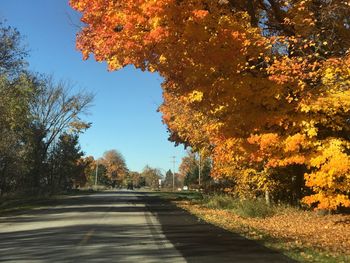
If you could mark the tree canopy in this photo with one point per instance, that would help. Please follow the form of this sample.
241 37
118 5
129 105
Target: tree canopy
262 86
40 121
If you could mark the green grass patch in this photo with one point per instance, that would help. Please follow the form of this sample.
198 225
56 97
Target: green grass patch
244 208
14 204
179 196
22 204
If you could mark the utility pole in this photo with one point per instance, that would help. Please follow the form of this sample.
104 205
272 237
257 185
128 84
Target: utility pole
174 157
96 173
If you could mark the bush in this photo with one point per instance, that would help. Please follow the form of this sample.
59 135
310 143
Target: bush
220 202
244 208
254 208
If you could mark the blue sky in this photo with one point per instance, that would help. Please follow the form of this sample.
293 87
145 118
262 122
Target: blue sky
124 114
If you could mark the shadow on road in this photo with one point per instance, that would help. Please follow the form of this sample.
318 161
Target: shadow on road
199 241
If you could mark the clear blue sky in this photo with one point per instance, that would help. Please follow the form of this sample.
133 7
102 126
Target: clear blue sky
124 114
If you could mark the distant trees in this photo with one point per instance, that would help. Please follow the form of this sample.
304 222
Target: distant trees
151 176
168 180
173 180
40 122
110 171
189 170
136 179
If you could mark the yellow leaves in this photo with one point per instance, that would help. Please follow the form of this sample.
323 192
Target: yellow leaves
331 180
336 75
78 4
114 64
308 127
218 110
155 22
151 68
328 76
162 59
195 96
311 132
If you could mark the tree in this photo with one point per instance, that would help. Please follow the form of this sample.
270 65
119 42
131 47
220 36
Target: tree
14 129
267 82
38 116
64 163
89 170
189 170
15 93
168 180
54 111
12 51
102 175
116 168
152 176
136 179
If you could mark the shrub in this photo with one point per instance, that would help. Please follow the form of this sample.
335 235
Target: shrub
220 202
254 208
244 208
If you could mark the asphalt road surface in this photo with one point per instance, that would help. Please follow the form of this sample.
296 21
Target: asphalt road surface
121 226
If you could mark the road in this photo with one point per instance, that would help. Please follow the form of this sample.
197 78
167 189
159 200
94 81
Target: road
121 226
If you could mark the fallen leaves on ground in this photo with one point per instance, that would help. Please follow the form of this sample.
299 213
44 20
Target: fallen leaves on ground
294 228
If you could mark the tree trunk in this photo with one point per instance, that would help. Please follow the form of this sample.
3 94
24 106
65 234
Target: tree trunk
267 197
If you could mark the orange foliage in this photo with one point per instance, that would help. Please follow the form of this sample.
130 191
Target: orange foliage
256 94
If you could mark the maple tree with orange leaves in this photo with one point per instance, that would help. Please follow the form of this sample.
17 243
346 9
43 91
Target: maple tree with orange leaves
263 86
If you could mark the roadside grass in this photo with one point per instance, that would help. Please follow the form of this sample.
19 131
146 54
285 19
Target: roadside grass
304 236
21 203
244 208
179 196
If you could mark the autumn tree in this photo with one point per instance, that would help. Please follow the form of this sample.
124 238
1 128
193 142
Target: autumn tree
115 166
266 82
151 176
136 179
